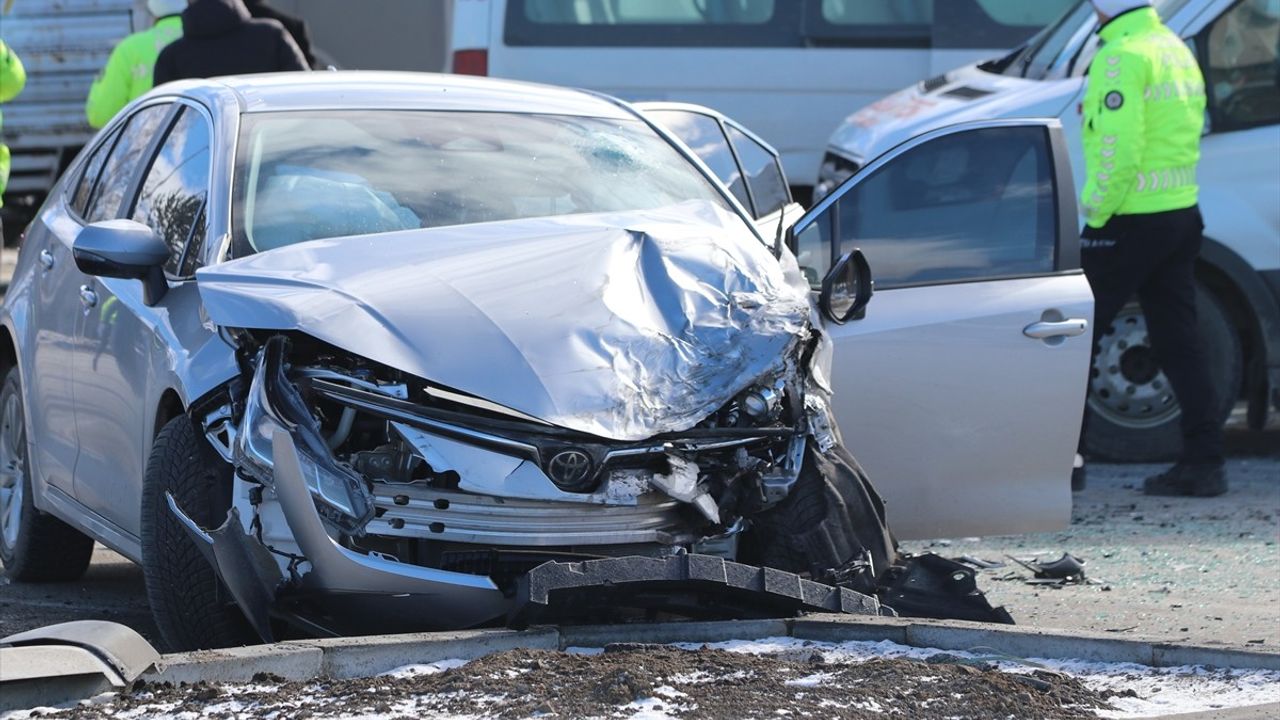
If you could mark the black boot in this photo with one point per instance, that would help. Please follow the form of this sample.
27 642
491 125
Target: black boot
1188 479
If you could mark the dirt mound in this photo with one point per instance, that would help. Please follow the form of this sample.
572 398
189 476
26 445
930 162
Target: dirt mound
704 683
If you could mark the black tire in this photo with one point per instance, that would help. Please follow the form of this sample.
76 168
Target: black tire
1111 435
191 606
830 527
44 548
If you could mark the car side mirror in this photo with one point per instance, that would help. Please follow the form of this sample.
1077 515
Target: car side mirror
847 289
124 249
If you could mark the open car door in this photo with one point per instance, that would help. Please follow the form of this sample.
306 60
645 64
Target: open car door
961 390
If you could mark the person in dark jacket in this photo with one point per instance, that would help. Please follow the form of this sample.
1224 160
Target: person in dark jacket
219 37
296 26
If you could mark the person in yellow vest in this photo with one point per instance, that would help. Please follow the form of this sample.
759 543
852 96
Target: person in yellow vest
1143 116
13 77
130 68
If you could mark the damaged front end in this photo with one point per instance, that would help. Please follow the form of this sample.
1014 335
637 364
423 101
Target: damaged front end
369 500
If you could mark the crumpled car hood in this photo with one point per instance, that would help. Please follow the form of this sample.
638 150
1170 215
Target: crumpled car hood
620 325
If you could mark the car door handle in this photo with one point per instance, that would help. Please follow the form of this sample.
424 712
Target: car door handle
88 297
1044 330
46 259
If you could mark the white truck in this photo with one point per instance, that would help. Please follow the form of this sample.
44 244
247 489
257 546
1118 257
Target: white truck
1134 412
62 44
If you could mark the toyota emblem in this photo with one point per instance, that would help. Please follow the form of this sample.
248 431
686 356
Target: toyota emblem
569 469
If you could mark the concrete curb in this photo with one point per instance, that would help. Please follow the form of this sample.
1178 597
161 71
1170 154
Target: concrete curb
367 656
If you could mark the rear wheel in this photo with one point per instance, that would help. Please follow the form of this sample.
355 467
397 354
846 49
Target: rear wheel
34 546
191 606
1133 413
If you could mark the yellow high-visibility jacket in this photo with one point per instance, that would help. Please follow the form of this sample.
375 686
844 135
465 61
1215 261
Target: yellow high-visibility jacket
1143 117
129 70
13 77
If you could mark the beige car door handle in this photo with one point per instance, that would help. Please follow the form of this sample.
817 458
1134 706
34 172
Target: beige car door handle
1071 327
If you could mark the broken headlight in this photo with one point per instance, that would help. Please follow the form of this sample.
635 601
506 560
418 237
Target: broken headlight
275 404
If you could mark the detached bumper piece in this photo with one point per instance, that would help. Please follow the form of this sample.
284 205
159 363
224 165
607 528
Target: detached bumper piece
700 587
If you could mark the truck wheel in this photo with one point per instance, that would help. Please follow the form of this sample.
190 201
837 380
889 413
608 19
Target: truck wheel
192 608
34 546
1133 413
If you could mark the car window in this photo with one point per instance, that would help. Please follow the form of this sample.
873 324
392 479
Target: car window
176 185
92 168
308 175
648 12
706 139
121 165
1242 52
764 177
973 205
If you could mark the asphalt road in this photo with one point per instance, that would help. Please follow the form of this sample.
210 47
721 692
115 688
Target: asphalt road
1204 570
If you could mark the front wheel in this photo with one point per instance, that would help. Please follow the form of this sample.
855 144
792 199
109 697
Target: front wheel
1133 413
34 546
192 608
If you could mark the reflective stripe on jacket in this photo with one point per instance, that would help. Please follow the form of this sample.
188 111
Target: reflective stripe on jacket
13 77
1143 116
129 70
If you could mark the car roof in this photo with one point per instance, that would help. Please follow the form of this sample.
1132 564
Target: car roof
368 90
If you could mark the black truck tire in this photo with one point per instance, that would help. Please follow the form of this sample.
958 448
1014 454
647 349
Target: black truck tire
191 606
1151 432
34 546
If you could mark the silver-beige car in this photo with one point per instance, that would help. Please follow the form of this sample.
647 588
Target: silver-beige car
346 352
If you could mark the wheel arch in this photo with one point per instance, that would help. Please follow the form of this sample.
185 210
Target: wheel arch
8 351
169 407
1250 304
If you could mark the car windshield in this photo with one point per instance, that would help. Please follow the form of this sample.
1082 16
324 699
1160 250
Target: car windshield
1064 37
307 175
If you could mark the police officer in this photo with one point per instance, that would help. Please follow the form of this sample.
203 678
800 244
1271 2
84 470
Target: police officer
132 62
1143 116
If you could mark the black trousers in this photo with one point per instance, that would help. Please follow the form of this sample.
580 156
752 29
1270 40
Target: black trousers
1153 256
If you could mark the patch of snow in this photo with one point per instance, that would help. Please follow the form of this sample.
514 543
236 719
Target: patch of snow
1159 691
435 668
650 709
813 680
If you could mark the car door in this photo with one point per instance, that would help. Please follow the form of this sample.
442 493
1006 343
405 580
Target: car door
961 390
96 195
120 335
749 167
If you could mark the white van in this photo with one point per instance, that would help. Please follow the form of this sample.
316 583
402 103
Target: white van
1135 415
788 69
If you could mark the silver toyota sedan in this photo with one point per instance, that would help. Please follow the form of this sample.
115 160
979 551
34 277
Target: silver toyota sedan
345 352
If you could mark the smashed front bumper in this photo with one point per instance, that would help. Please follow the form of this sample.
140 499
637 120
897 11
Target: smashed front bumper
327 540
347 590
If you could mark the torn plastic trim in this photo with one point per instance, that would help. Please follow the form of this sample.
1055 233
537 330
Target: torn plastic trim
273 404
456 599
244 565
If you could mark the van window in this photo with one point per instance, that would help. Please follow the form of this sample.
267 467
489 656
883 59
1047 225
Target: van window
929 23
775 23
1242 73
652 23
650 12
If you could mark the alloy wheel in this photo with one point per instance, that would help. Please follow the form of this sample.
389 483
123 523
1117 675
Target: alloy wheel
13 453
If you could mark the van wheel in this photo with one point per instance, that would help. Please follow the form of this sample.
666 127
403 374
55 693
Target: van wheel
1133 413
191 606
34 546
